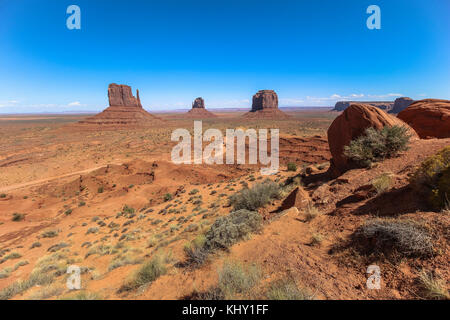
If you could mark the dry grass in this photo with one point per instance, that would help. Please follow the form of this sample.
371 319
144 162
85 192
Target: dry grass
432 287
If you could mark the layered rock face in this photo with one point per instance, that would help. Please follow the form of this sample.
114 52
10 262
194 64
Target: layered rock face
430 118
265 99
198 103
121 95
401 104
198 110
265 105
351 124
383 105
124 110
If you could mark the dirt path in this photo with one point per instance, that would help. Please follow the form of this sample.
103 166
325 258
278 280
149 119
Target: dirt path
36 182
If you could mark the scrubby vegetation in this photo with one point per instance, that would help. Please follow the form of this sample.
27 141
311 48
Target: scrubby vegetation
432 179
382 183
377 145
256 197
288 290
18 217
147 273
432 287
230 229
291 166
390 237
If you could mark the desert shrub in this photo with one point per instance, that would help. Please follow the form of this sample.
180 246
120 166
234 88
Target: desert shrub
256 197
5 273
235 279
50 234
92 230
287 290
100 189
230 229
18 217
35 245
316 239
68 211
127 210
389 236
376 145
146 274
382 183
82 203
47 292
311 212
36 278
432 179
168 197
2 195
291 166
83 295
432 287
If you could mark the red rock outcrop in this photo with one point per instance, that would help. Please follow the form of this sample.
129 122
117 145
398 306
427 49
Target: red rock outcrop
298 198
430 118
265 106
121 95
124 110
351 124
198 110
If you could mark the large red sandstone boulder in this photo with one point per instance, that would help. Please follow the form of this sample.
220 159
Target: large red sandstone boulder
430 118
351 124
121 95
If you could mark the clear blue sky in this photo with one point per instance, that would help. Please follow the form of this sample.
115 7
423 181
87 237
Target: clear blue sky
310 52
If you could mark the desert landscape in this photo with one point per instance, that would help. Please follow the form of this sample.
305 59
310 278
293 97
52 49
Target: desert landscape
101 192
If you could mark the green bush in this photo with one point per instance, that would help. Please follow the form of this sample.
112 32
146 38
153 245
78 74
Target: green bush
377 145
256 197
432 179
230 229
18 217
291 166
148 273
168 197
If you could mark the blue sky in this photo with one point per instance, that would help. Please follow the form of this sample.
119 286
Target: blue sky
312 53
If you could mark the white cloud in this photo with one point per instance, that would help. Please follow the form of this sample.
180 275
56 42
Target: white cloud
74 104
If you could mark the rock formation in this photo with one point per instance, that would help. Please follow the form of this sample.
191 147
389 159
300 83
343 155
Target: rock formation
124 110
265 105
430 118
198 103
298 198
401 104
383 105
198 110
351 124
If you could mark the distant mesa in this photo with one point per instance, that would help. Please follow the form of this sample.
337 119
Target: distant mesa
124 110
198 110
430 118
265 106
383 105
401 104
